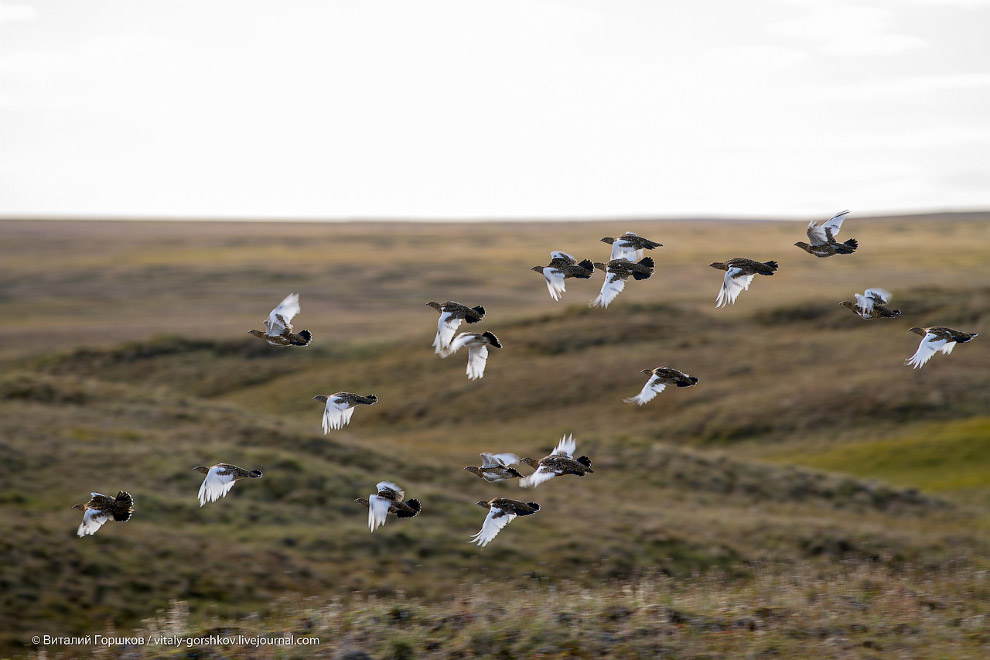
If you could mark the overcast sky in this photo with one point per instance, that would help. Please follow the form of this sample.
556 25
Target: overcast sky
509 108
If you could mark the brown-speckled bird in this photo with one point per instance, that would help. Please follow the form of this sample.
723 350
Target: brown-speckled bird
822 237
658 381
501 511
739 274
935 339
278 325
220 478
102 509
497 467
388 500
560 462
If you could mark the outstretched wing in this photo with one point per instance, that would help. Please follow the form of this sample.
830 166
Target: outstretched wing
390 486
878 295
834 224
336 415
555 282
446 327
653 387
217 484
288 308
498 460
930 344
377 511
733 284
557 254
566 446
611 288
477 359
864 304
542 474
621 249
92 520
494 522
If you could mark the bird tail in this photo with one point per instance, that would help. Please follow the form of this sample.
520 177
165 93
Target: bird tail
369 400
414 505
306 335
479 313
585 461
588 266
772 265
123 507
687 382
647 263
492 339
848 247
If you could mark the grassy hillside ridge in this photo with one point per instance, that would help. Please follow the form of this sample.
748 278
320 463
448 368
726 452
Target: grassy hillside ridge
102 389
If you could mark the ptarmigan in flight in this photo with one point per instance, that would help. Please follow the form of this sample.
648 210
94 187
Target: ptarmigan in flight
278 325
102 509
220 478
739 274
934 339
658 381
388 500
340 407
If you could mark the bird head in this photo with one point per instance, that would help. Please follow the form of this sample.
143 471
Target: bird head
538 269
608 239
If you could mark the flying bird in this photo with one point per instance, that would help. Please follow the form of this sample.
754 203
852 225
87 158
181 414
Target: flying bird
388 500
629 246
558 463
616 273
822 237
477 350
220 478
658 381
497 467
340 407
739 274
102 509
937 338
451 315
562 266
278 325
501 511
872 304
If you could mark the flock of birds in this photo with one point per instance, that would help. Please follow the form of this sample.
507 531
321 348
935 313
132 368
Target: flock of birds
626 260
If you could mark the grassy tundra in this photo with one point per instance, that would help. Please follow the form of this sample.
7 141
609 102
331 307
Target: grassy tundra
811 492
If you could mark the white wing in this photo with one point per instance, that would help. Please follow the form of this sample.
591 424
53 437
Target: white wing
834 224
865 304
477 359
877 292
541 475
377 511
492 526
92 521
557 254
498 460
336 415
611 288
565 447
732 285
649 392
392 486
446 327
929 345
555 282
622 250
215 485
287 309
